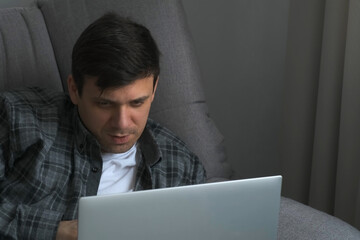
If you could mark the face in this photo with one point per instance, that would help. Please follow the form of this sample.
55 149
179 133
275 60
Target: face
116 116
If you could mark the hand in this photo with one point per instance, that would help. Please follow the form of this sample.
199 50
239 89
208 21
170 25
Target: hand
67 230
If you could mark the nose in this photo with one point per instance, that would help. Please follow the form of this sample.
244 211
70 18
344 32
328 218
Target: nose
121 118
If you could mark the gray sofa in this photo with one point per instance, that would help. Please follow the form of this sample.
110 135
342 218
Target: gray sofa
35 48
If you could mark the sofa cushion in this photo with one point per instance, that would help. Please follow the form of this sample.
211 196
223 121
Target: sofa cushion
179 103
300 222
26 54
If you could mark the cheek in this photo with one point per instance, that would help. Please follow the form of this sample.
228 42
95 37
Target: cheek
98 121
142 115
93 119
139 119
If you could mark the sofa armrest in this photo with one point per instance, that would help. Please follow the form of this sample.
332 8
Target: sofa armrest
298 221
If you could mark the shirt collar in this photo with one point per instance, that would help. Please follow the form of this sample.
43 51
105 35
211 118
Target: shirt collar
149 147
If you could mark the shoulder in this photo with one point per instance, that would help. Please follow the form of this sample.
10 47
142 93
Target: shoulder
32 114
31 97
34 102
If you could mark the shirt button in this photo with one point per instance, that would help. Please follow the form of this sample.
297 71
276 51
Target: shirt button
94 169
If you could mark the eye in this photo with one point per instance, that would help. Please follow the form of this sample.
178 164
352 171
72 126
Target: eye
137 103
103 103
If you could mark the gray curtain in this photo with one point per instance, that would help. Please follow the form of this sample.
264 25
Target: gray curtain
320 156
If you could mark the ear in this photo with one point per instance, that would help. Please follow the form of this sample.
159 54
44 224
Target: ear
73 91
155 87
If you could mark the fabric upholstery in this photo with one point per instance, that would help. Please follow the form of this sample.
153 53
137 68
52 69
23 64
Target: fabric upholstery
300 222
179 103
26 55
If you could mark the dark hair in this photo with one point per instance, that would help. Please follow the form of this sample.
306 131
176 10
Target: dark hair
116 50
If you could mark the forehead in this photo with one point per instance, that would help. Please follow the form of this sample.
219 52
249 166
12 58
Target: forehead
138 87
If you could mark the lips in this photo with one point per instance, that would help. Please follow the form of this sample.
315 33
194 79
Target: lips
120 139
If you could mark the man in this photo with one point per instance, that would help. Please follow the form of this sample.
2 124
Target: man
56 148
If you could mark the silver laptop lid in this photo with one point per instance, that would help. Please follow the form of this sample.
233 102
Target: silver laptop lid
241 209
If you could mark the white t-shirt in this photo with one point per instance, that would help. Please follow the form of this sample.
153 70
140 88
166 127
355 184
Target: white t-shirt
118 173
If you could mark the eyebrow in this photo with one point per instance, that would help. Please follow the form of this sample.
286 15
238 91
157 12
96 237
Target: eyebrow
140 99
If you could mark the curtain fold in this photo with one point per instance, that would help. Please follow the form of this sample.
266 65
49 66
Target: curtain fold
327 122
320 156
300 94
348 170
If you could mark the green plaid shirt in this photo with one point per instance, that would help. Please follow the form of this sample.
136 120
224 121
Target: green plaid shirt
48 160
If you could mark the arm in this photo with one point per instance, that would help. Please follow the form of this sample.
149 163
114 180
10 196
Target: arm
4 140
27 222
20 218
199 173
67 230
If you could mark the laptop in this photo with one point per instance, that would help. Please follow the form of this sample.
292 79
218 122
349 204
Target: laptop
239 209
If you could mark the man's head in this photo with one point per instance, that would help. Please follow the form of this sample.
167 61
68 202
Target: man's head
115 68
117 51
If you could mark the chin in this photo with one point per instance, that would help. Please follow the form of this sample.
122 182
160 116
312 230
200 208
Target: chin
117 149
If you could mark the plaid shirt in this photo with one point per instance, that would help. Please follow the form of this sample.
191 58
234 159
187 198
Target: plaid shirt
48 160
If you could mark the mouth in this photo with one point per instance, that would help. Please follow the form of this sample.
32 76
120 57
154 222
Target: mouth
120 139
